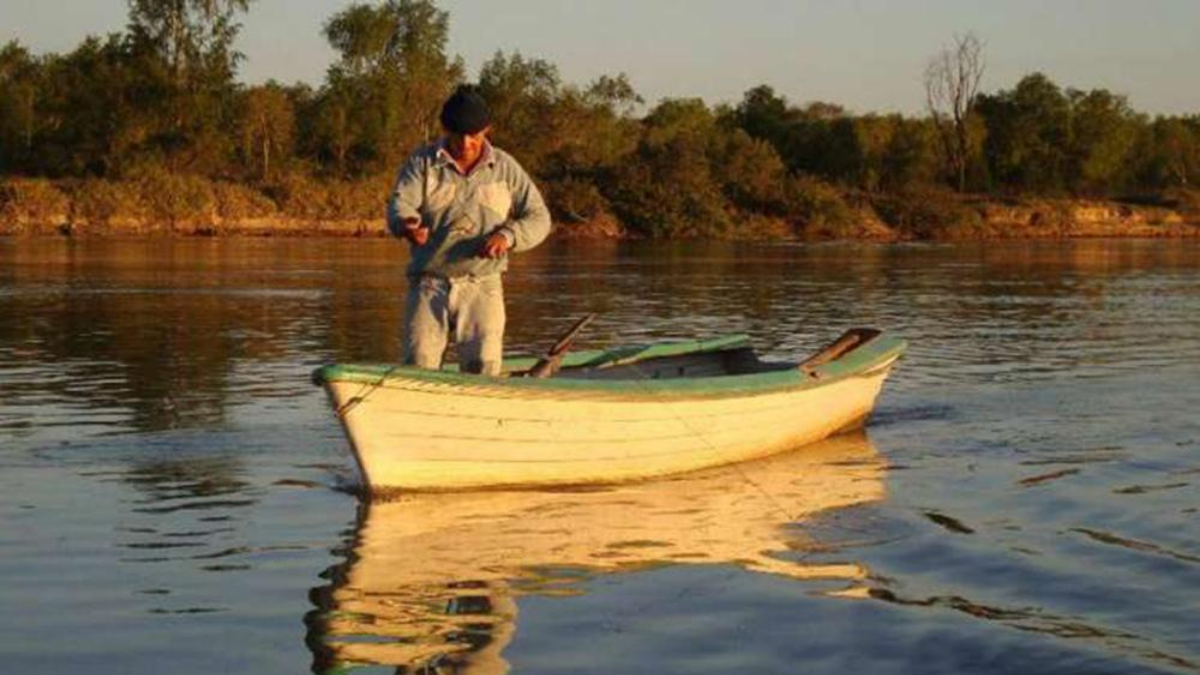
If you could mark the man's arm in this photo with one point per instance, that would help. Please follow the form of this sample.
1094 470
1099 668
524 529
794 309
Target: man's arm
404 204
530 223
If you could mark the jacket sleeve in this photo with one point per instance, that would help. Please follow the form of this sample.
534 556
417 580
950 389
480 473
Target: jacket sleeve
407 196
530 221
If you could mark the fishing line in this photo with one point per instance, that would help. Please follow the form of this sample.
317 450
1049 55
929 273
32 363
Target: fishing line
369 388
695 432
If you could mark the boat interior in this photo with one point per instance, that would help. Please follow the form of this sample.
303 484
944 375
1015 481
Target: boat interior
737 359
734 361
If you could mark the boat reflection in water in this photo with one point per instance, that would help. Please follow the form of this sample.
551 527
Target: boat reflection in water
430 581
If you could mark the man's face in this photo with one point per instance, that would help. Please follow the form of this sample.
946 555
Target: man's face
466 148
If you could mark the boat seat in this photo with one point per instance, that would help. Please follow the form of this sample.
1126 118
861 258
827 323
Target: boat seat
737 361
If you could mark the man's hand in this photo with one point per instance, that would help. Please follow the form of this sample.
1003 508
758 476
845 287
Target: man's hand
495 246
415 232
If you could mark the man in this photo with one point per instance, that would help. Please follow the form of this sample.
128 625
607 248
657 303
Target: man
463 205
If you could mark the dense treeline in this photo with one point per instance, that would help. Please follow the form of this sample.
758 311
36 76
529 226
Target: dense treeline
153 121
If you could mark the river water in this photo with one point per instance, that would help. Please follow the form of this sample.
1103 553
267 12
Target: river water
1025 500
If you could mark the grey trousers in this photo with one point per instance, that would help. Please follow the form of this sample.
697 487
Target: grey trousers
471 307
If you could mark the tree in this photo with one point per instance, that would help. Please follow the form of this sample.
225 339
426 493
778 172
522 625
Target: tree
821 141
668 189
19 74
687 119
750 172
1028 134
335 127
364 36
268 124
94 110
522 95
391 78
615 93
1170 153
603 123
182 52
1104 130
952 81
893 153
191 36
764 114
910 158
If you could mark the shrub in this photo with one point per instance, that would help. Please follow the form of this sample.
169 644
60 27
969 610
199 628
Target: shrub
173 198
929 213
303 197
31 203
756 226
236 202
749 171
99 202
818 207
1185 200
357 200
299 196
573 200
669 192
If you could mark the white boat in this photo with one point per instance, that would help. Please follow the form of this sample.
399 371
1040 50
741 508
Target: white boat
607 416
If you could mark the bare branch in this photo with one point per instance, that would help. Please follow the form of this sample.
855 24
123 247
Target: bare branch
952 81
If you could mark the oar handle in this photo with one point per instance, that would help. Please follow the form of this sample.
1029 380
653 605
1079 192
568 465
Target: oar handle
564 342
549 364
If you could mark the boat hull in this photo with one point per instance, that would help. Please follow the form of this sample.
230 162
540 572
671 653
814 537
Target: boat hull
414 433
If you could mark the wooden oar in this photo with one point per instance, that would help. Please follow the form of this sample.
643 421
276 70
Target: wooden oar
848 342
549 364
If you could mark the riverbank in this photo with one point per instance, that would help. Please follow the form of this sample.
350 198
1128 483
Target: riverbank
178 206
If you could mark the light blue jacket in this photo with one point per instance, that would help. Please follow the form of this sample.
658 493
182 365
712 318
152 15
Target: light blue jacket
462 211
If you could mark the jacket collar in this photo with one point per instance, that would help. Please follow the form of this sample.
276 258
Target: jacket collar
444 159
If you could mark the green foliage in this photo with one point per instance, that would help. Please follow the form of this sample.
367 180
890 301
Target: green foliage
669 193
1169 153
1104 132
667 189
1028 135
822 139
523 96
1044 140
180 54
572 139
150 125
88 124
765 115
679 117
894 153
695 176
750 172
19 86
383 96
573 200
193 37
268 121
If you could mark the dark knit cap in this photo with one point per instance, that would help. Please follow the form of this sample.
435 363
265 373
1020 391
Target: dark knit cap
465 112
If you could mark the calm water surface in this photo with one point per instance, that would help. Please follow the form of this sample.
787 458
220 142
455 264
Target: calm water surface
1024 501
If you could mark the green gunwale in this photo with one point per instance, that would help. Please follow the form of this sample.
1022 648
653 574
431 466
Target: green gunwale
879 350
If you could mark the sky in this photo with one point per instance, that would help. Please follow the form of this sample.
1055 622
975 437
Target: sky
868 55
